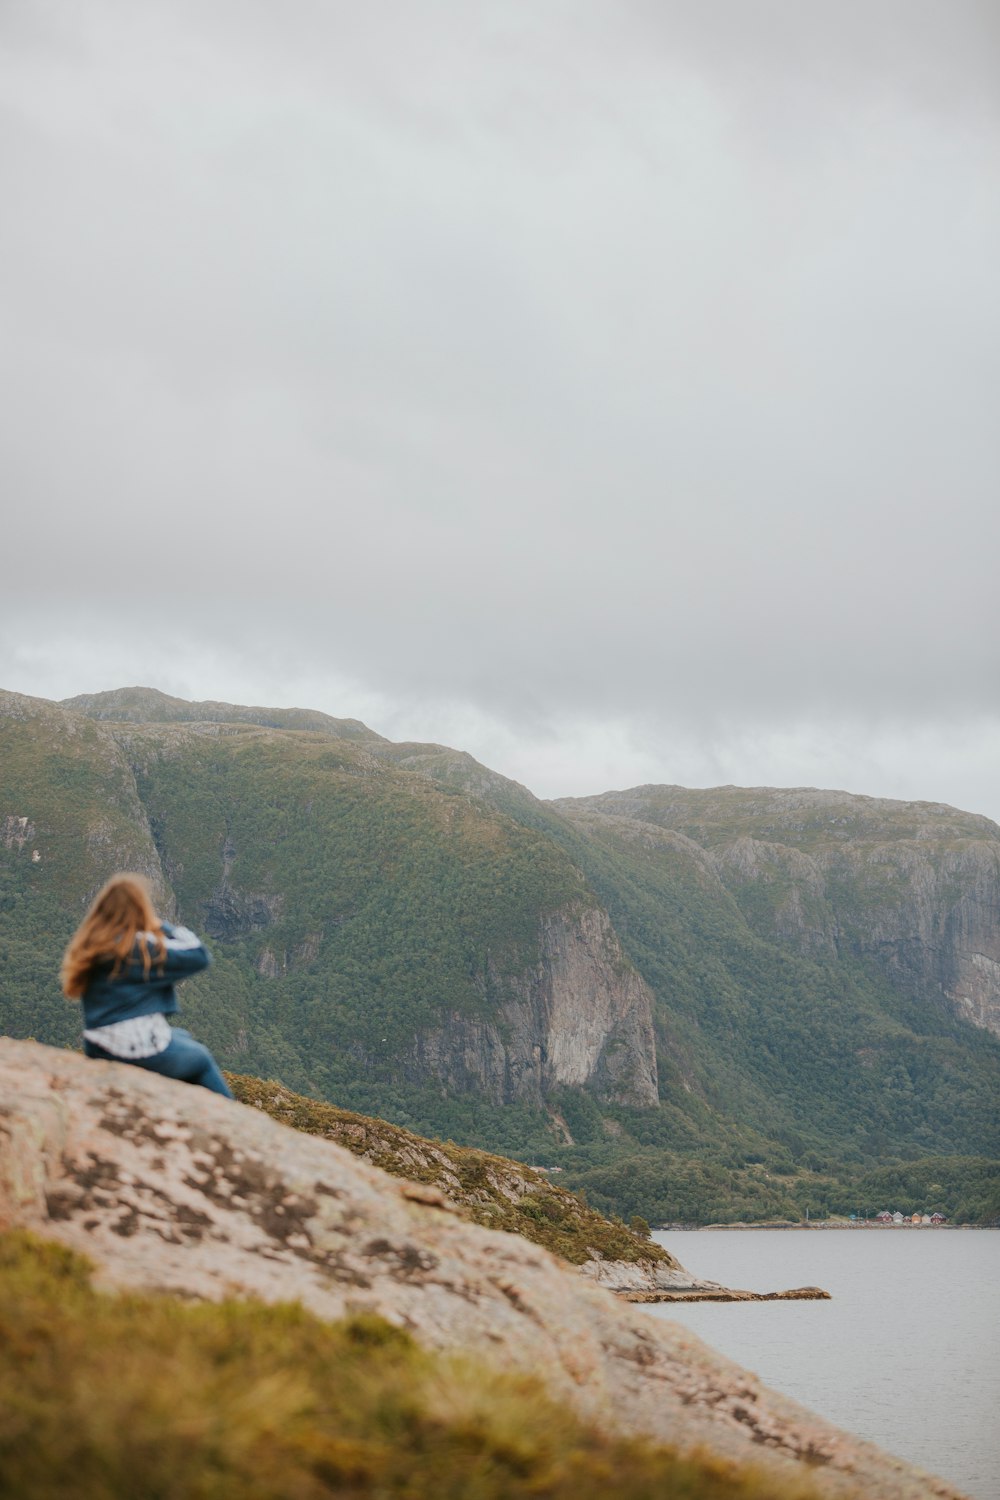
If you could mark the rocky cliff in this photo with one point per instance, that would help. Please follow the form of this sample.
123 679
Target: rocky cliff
580 1016
171 1188
911 887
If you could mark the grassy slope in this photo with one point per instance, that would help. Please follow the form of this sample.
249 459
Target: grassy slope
396 877
107 1397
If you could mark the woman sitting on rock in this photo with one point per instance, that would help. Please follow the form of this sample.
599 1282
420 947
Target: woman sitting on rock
123 963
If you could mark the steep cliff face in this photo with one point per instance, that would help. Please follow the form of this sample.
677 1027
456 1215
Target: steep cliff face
913 887
928 913
581 1016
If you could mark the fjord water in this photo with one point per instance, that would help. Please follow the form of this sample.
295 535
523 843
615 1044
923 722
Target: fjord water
906 1353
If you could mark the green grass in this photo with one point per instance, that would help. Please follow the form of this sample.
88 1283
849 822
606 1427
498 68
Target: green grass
150 1398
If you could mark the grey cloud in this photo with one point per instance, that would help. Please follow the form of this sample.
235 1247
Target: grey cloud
932 54
574 362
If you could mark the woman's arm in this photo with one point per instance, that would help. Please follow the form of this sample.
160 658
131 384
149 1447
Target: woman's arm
185 955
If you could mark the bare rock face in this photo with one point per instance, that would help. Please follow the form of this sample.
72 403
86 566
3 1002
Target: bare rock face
649 1279
170 1187
925 909
913 887
581 1016
654 1281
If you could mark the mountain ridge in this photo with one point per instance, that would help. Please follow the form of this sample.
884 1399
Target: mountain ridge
149 705
404 931
780 850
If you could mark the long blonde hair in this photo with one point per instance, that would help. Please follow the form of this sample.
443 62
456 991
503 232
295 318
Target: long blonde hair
121 910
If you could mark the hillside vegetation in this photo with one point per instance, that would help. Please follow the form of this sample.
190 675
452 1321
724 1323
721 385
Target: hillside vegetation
401 932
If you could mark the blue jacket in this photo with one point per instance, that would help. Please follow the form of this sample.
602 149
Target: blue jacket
129 993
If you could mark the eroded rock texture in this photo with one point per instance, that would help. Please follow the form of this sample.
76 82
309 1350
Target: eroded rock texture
171 1187
582 1016
913 887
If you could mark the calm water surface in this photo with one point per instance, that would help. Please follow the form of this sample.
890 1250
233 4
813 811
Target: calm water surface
907 1352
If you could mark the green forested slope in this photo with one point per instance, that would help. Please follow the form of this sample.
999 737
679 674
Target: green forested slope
358 893
812 1051
349 905
139 705
816 1050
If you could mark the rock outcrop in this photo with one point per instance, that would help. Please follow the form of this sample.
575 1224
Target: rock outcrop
170 1187
924 909
492 1191
581 1016
652 1281
498 1193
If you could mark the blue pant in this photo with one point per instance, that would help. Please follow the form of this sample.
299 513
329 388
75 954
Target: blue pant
185 1059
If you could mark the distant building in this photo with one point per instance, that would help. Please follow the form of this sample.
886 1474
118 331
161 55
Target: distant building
897 1217
938 1219
885 1217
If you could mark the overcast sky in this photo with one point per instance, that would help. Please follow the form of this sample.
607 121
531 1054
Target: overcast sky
609 389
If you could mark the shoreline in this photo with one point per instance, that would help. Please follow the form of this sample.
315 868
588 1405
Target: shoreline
815 1228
